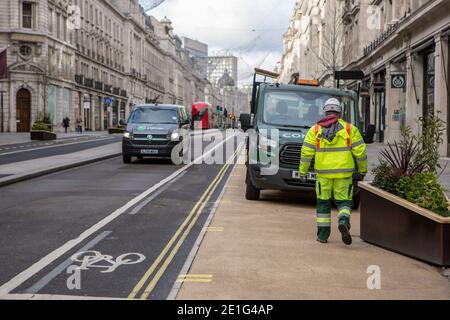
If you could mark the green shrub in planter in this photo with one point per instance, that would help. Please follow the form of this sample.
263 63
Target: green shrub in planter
41 126
409 169
424 190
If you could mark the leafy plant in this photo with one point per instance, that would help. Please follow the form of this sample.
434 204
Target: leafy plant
424 190
41 126
403 158
408 169
433 130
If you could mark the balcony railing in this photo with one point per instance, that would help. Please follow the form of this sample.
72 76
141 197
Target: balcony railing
79 79
89 82
108 88
116 91
381 38
98 85
123 93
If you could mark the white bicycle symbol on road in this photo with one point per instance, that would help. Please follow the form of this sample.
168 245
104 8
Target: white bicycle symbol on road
92 259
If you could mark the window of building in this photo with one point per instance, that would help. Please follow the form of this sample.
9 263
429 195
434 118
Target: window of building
50 21
429 81
27 15
64 27
25 51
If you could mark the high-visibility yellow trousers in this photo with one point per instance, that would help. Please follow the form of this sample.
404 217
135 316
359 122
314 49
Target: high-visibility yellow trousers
342 192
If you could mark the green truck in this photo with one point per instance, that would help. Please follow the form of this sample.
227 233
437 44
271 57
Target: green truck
281 115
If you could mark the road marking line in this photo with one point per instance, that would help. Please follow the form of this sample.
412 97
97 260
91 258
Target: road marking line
195 280
153 267
53 297
190 259
215 229
13 283
197 212
38 286
195 276
202 278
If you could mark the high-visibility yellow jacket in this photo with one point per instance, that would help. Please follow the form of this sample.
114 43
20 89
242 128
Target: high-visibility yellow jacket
334 159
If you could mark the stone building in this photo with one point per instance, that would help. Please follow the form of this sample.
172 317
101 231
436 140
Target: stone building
40 56
402 46
404 53
313 42
87 59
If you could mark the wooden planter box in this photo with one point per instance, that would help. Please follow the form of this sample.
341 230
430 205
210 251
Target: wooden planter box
403 227
116 131
42 135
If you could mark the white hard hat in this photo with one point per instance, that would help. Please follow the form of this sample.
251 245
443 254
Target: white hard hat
333 105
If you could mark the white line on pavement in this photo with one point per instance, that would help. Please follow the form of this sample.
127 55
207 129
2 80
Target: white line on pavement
25 275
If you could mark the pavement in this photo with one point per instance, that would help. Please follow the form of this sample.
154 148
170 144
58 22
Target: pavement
8 138
267 250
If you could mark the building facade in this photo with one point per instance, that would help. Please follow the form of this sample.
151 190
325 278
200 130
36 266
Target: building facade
313 42
87 59
402 47
404 55
220 67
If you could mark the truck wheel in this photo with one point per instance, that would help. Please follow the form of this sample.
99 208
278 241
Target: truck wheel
356 201
126 158
251 193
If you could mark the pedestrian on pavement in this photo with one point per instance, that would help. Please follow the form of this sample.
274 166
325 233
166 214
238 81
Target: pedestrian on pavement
336 146
79 124
66 123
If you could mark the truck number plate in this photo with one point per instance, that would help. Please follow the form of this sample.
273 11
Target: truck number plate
149 151
311 175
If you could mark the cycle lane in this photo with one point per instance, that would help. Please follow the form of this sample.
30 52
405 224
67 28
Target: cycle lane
143 232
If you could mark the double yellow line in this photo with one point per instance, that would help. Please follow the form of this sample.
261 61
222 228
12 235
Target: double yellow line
192 217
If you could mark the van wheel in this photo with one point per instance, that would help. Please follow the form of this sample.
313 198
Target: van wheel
251 192
126 158
356 201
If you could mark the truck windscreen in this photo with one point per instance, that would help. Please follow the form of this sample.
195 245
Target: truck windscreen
301 109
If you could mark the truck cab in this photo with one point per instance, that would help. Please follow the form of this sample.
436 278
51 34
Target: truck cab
281 116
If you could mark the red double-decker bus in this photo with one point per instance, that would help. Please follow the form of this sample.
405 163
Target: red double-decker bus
203 116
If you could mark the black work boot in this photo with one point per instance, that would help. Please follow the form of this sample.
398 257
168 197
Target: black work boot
322 241
345 231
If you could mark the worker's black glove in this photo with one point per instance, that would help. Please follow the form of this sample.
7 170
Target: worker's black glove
361 176
303 179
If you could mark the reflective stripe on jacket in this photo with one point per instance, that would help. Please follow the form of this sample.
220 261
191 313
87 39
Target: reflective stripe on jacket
335 159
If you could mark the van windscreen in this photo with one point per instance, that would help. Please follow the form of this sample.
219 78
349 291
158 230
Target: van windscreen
154 116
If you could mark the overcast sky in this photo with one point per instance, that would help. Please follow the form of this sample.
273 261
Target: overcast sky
250 29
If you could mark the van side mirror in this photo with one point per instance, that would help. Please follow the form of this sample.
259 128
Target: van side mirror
246 121
122 122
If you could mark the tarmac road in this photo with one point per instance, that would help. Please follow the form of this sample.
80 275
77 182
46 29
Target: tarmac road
138 223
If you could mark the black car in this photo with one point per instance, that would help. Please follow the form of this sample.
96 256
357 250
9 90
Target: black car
153 130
